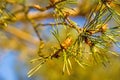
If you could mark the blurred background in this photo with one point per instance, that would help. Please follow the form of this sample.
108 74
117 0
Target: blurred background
19 43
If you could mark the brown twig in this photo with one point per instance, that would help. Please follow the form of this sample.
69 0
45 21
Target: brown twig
73 26
20 34
38 7
51 24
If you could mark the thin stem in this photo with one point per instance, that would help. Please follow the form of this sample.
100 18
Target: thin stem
73 26
26 9
47 7
51 24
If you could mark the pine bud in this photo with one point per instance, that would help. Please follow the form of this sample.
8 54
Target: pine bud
104 28
67 43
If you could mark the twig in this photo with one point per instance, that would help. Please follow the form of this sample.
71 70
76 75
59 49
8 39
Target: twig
51 24
47 7
20 34
73 26
26 10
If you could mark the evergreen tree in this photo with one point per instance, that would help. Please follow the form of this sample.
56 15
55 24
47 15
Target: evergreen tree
68 43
